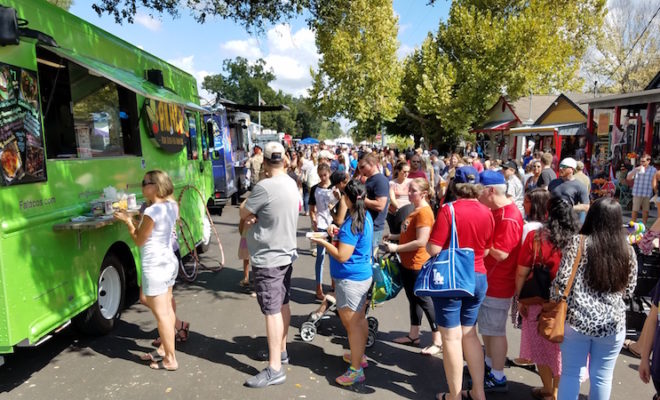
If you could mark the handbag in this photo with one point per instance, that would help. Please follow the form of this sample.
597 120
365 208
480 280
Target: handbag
450 273
553 314
536 288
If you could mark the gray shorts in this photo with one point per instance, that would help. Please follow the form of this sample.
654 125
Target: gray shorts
273 287
493 315
351 294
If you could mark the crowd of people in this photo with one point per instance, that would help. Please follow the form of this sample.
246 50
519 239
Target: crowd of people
522 221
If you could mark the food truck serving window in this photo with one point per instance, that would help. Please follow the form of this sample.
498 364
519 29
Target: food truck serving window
85 115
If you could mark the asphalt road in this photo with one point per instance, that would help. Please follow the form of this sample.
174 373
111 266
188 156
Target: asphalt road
228 331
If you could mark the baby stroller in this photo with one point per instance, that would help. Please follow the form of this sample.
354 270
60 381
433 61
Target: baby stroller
386 285
648 273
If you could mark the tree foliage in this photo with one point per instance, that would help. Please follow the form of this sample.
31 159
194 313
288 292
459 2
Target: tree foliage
358 75
627 53
243 82
65 4
487 48
252 13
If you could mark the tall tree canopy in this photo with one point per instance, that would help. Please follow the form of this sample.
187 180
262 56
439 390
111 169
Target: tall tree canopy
358 74
65 4
252 13
627 54
487 48
243 81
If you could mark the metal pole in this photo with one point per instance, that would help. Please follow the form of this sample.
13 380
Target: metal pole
259 103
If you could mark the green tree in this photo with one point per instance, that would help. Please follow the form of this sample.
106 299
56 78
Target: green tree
252 13
627 54
490 47
358 74
65 4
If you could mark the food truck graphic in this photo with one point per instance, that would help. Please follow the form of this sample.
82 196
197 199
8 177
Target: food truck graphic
83 112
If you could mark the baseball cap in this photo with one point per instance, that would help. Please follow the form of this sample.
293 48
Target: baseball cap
474 154
337 177
434 152
510 164
568 162
466 175
326 154
491 178
274 151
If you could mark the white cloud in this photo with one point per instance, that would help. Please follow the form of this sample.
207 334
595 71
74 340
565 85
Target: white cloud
148 22
403 51
243 48
289 54
188 64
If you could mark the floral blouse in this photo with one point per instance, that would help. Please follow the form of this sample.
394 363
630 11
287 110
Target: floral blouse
590 312
646 244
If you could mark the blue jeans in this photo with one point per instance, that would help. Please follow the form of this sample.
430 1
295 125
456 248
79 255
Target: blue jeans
305 198
603 352
320 259
378 237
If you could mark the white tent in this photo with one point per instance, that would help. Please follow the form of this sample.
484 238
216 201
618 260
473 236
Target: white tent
329 142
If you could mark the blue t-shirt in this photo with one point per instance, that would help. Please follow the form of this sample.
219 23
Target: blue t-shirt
358 266
378 186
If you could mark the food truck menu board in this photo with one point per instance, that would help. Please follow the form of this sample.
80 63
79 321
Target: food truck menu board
22 153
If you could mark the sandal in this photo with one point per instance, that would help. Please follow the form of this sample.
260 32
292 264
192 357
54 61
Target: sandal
431 350
244 283
539 393
161 365
182 334
441 396
153 356
407 341
465 395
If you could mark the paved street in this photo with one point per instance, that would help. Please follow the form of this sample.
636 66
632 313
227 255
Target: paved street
227 332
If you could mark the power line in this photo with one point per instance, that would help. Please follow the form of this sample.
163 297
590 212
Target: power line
635 44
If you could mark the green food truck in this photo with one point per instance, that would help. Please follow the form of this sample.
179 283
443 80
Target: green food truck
83 115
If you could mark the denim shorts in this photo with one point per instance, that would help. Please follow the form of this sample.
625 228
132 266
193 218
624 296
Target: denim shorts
451 312
351 294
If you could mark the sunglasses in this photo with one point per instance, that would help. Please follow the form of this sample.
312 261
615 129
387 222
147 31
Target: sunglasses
145 183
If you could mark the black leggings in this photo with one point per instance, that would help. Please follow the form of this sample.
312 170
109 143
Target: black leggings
417 304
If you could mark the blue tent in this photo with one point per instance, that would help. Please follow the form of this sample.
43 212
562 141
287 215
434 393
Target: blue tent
309 140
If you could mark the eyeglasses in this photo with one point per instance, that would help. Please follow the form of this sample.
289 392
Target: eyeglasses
145 183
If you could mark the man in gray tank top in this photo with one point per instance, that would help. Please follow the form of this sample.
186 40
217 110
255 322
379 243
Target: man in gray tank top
271 215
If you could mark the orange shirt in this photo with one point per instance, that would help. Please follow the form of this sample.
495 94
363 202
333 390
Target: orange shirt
417 219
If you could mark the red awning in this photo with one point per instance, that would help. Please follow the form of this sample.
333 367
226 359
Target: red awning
495 126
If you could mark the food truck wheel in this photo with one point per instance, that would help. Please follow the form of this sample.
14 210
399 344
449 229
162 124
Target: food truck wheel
100 318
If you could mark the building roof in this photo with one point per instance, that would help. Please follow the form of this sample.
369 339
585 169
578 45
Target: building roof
625 99
540 103
655 82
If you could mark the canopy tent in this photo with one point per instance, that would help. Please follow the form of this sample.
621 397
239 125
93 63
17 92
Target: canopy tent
309 140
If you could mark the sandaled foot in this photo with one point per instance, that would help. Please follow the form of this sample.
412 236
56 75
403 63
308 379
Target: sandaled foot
161 365
465 395
539 393
182 333
157 342
633 348
407 341
244 283
431 350
153 356
441 396
522 362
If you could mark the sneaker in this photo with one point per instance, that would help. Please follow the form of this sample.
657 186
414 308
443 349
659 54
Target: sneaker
314 253
266 377
491 384
363 363
263 356
351 377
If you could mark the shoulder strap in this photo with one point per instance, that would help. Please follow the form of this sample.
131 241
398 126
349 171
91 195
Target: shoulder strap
575 267
536 247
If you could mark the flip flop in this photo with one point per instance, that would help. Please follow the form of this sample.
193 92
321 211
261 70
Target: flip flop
410 342
465 395
439 397
153 356
626 343
160 365
431 350
539 394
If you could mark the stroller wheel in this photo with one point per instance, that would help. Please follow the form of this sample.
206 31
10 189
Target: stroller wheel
371 338
307 331
373 324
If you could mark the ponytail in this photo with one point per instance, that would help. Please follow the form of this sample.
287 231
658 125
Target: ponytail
356 194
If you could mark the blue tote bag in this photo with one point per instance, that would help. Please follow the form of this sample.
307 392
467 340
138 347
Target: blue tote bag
450 273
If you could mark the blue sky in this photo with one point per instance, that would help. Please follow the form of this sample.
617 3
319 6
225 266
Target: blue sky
288 48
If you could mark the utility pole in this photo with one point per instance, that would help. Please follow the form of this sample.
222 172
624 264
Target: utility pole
259 103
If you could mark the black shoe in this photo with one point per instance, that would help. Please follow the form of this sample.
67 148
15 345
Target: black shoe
264 356
266 377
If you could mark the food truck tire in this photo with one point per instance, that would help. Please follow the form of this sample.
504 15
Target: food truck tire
100 318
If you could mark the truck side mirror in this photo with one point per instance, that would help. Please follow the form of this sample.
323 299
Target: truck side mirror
8 26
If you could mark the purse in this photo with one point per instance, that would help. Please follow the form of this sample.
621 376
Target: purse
553 314
450 273
536 289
